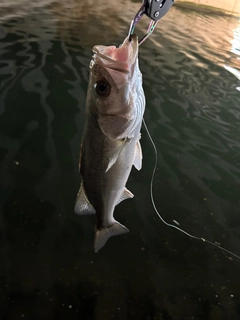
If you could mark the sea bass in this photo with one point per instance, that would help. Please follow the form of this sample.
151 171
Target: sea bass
110 146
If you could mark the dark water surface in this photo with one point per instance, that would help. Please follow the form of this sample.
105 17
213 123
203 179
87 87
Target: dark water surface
48 268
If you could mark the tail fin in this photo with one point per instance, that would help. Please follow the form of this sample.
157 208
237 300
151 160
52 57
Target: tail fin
103 235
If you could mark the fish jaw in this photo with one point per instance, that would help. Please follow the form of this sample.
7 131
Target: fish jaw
121 58
120 63
118 68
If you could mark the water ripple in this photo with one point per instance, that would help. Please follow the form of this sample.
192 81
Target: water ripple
190 68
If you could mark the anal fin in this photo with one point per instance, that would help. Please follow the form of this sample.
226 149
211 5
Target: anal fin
82 205
125 195
103 235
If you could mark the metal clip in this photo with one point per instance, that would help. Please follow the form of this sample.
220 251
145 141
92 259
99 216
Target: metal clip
158 8
155 10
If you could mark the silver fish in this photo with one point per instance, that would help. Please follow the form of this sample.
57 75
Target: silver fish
110 146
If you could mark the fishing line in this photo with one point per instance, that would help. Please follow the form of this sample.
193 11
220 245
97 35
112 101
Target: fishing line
159 215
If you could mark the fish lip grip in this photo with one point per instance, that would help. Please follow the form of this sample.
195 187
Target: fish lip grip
153 9
157 9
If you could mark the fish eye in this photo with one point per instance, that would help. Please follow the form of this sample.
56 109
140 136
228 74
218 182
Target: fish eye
102 88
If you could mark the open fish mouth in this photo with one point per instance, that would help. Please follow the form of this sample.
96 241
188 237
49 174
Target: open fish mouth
121 58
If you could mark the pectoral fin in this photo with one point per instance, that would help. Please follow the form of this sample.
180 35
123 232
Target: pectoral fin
125 195
137 162
113 155
103 235
82 205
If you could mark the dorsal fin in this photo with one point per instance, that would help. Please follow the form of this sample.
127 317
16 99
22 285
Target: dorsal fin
137 162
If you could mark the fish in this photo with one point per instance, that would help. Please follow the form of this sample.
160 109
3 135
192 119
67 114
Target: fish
110 146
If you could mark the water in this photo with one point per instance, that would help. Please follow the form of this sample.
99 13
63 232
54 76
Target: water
190 68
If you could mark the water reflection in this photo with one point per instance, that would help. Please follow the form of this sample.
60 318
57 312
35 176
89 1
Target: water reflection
47 259
235 49
236 40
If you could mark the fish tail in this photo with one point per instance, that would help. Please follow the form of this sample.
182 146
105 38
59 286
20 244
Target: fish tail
103 235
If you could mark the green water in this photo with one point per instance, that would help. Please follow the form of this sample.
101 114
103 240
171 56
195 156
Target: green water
48 267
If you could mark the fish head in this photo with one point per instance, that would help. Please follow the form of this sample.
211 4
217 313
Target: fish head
115 82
